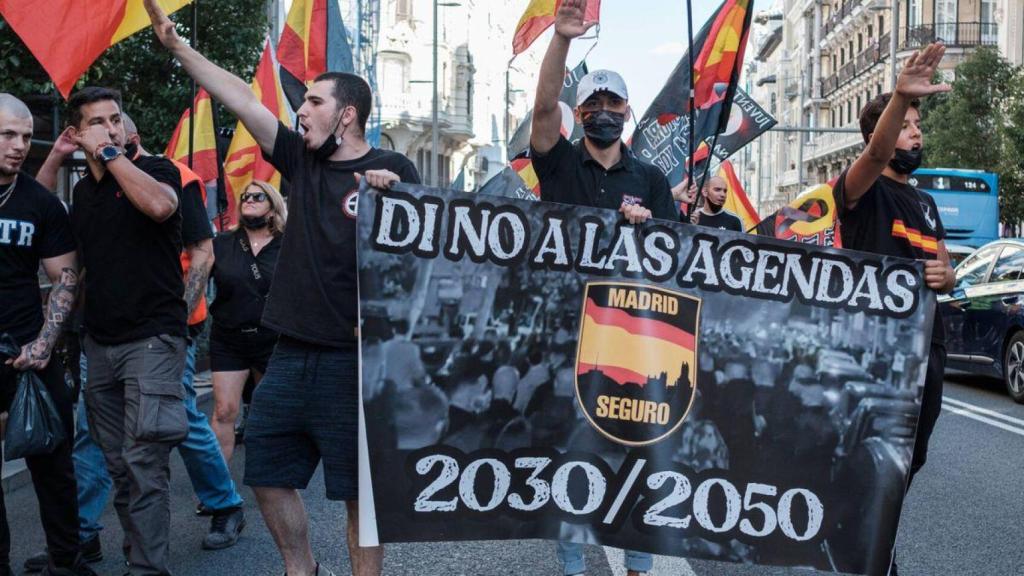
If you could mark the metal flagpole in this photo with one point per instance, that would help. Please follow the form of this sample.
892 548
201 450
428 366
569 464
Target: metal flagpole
689 54
192 102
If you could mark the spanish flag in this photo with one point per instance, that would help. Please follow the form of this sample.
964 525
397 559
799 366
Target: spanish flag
632 349
524 168
245 161
312 42
67 36
539 15
204 139
736 201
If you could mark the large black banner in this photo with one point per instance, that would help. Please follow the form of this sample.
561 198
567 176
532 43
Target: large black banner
535 370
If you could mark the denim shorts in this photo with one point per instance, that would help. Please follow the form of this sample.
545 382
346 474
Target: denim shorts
305 410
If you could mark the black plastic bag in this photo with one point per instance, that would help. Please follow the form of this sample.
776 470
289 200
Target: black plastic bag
34 427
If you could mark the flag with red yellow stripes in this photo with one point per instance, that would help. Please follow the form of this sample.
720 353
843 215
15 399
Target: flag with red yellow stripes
736 201
204 139
67 36
245 161
312 42
539 16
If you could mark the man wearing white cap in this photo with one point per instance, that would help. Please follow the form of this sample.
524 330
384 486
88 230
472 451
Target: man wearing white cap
598 171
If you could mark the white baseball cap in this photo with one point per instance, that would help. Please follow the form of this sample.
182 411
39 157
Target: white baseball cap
601 81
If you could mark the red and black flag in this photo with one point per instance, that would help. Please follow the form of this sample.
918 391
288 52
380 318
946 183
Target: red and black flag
664 133
812 218
313 41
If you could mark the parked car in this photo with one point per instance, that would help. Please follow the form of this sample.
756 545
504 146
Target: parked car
983 316
958 252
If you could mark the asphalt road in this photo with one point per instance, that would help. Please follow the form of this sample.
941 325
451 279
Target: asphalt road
963 517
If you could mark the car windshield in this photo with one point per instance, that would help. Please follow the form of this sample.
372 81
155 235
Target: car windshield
974 269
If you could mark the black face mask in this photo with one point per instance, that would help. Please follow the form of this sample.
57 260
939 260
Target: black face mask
332 143
906 161
254 222
131 150
604 128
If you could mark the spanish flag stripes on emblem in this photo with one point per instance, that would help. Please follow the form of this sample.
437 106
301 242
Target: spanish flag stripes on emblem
631 349
918 240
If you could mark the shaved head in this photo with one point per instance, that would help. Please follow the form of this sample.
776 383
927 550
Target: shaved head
15 136
130 129
716 182
12 106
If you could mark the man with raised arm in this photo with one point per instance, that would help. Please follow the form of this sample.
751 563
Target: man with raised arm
306 407
599 170
880 212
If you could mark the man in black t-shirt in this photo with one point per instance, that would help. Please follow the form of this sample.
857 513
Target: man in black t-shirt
305 409
126 219
34 230
880 212
713 213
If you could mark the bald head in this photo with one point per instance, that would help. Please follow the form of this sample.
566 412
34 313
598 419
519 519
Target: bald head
12 106
15 136
715 191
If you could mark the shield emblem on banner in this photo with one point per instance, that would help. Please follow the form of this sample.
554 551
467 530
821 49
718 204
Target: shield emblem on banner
636 361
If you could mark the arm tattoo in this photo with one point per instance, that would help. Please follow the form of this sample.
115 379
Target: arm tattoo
58 310
195 284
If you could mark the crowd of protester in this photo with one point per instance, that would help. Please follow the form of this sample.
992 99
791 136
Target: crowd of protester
130 261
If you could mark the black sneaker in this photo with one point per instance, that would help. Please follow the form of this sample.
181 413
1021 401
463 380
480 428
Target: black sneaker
91 552
225 527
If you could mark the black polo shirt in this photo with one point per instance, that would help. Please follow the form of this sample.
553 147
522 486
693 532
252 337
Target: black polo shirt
133 283
569 174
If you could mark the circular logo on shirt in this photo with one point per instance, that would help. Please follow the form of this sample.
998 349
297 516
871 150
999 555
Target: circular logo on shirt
350 204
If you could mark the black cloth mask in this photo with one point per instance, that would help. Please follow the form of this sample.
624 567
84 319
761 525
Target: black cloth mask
332 143
254 222
906 161
604 128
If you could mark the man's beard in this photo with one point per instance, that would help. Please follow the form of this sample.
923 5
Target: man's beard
5 171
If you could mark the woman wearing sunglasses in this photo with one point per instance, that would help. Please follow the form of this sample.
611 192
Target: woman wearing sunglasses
244 262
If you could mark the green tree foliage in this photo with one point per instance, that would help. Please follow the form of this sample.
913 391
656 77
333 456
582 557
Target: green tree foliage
230 33
979 125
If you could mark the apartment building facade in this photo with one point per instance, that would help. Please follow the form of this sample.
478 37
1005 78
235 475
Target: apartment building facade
819 61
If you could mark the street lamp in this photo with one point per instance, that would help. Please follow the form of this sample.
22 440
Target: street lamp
435 169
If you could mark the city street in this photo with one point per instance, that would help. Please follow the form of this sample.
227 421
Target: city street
962 518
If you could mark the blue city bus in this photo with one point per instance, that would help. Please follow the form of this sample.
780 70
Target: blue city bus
968 202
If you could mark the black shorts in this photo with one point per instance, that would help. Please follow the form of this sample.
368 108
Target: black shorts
306 409
236 350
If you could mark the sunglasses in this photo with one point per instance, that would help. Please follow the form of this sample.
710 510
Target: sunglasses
254 196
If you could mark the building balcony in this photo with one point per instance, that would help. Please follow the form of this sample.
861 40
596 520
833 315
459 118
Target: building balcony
837 17
833 145
954 34
416 108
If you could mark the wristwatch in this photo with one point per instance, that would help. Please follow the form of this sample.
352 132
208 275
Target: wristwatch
107 153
